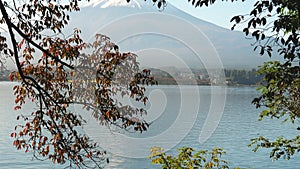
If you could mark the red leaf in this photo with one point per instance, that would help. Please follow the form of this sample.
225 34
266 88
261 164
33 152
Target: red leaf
22 63
11 77
21 43
28 125
17 107
21 133
13 135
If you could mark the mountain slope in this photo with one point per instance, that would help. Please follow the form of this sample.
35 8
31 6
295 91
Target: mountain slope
118 19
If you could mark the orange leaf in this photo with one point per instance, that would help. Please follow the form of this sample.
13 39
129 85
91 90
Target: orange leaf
47 148
25 130
16 143
33 143
107 113
17 100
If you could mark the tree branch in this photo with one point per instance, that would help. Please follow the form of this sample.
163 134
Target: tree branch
39 47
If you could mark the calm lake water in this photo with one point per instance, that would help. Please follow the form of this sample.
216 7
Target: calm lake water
179 114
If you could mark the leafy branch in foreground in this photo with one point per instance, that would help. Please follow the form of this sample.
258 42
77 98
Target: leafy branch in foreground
188 158
55 74
53 131
275 27
280 148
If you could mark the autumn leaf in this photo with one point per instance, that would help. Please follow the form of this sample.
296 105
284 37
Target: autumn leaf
13 134
11 77
21 43
17 107
107 113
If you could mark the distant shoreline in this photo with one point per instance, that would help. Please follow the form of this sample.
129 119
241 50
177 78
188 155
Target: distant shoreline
199 77
235 85
227 85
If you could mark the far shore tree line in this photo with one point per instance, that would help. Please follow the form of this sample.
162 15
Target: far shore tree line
234 77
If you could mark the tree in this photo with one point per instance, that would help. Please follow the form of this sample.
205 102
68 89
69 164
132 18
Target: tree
187 158
55 73
274 25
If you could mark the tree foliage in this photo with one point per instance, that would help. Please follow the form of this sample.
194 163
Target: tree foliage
188 158
56 72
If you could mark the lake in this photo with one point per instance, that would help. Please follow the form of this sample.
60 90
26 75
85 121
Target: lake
179 115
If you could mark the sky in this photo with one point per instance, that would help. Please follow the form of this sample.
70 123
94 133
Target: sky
219 13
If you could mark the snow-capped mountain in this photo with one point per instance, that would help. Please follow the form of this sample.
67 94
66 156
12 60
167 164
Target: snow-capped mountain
165 37
113 3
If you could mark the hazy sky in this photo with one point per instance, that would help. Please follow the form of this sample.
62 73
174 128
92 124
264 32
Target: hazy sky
219 13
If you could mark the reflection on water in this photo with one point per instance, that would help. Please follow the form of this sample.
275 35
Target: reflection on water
238 124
